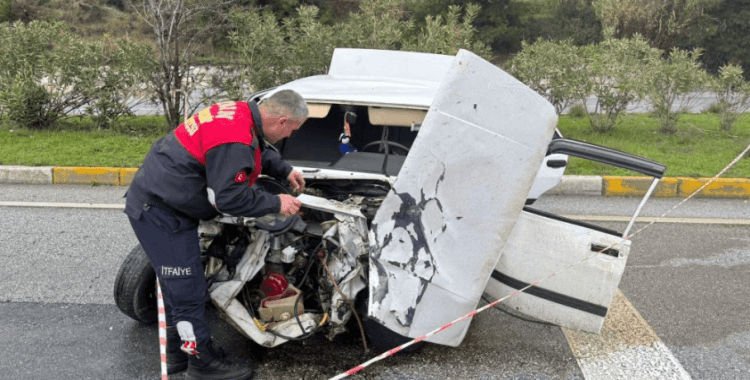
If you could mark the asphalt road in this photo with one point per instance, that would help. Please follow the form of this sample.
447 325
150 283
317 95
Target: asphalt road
59 320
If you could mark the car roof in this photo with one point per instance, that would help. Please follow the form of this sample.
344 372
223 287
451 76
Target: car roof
386 78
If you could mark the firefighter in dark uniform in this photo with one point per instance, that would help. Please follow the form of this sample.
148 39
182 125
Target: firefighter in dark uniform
206 166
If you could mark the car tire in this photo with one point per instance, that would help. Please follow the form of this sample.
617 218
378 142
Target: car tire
378 335
135 287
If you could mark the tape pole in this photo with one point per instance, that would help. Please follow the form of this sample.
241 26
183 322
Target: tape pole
393 351
162 332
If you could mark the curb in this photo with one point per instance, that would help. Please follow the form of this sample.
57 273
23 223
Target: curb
610 186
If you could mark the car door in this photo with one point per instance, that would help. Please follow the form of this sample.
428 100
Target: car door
575 267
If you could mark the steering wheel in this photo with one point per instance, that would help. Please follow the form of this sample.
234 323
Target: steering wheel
379 147
274 222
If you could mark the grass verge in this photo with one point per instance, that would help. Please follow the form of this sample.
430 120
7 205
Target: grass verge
698 149
76 142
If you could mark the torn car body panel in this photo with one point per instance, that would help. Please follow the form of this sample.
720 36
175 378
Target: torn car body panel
440 230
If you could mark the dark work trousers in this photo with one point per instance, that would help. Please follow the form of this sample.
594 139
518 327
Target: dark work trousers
171 243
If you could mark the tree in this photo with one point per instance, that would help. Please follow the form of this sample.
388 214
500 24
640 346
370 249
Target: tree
118 88
574 20
661 22
726 37
615 68
554 69
733 93
6 10
379 24
272 52
179 27
668 79
500 23
448 33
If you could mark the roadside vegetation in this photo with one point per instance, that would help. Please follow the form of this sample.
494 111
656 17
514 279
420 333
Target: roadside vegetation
70 76
699 149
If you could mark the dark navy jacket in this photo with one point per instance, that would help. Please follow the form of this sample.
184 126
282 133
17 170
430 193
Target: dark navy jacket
207 166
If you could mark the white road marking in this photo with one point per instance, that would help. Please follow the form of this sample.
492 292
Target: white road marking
589 218
626 349
648 219
64 205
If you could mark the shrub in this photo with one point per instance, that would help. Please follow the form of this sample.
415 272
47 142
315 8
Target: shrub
578 111
54 73
734 95
554 69
449 33
117 87
24 104
666 80
714 108
615 67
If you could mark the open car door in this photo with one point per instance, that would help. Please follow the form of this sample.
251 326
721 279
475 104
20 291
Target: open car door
439 233
594 258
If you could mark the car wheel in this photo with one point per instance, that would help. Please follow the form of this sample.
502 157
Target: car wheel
135 287
380 336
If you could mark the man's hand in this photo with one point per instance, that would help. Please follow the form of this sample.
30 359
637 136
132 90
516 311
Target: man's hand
296 181
289 204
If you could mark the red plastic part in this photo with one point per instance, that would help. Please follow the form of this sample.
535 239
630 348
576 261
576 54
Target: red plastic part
274 284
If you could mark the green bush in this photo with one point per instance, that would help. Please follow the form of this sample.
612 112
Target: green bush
734 95
554 70
578 111
615 67
714 108
47 73
564 73
666 80
25 103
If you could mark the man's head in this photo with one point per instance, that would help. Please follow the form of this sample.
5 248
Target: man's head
281 114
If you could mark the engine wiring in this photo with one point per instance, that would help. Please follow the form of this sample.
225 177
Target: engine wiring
247 297
316 285
321 256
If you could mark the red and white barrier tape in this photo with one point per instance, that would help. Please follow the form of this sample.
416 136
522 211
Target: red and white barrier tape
162 331
393 351
160 306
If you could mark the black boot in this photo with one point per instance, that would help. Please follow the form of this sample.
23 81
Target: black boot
211 364
177 360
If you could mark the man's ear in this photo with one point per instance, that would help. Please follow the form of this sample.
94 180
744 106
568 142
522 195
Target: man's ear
282 120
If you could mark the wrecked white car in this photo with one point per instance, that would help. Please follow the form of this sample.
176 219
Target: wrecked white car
417 175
